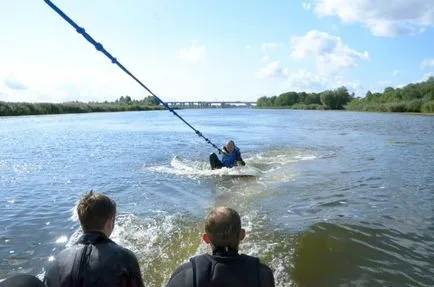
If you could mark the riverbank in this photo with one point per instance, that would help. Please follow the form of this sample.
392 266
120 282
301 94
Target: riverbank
27 109
379 109
403 106
412 98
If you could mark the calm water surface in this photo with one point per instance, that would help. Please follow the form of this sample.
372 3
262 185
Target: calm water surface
339 198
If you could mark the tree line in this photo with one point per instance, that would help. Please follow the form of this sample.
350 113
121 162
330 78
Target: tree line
417 97
121 104
331 99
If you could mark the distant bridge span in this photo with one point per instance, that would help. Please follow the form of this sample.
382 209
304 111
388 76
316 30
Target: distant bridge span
212 104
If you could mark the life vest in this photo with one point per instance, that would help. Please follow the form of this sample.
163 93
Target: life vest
230 159
231 271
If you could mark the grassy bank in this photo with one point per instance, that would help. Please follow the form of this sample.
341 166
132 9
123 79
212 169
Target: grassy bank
22 109
414 106
122 104
412 98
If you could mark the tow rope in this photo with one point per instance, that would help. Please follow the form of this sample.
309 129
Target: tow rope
100 48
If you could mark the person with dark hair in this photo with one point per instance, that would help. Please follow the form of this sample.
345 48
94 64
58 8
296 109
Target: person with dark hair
225 267
231 156
95 260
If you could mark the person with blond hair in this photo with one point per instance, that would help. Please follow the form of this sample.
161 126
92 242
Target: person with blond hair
231 156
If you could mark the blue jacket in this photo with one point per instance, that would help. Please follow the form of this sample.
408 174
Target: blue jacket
230 159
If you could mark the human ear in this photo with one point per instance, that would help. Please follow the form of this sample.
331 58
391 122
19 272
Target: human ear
206 239
242 234
110 226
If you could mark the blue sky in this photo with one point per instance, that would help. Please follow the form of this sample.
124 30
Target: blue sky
212 50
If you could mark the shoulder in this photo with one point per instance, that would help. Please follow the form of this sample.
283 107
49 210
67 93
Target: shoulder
131 264
186 266
182 276
265 272
61 264
125 255
52 275
122 261
116 248
67 254
126 252
265 269
266 275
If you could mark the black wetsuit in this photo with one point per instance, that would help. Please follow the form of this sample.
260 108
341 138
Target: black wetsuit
22 280
95 261
223 268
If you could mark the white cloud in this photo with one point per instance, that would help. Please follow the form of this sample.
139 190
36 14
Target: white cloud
302 80
423 78
33 95
307 5
27 82
14 84
329 52
305 81
267 48
339 81
331 57
272 70
38 87
427 75
396 73
427 63
383 18
195 53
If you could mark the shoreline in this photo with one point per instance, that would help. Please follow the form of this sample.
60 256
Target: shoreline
345 110
177 108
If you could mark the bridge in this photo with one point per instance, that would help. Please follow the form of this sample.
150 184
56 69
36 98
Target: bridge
212 104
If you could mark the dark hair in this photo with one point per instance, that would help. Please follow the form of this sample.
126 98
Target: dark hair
223 226
94 209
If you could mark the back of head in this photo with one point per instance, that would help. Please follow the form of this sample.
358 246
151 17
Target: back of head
94 209
223 227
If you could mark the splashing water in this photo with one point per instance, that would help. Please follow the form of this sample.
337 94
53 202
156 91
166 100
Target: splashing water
265 167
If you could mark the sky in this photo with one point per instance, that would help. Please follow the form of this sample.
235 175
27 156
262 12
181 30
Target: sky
212 50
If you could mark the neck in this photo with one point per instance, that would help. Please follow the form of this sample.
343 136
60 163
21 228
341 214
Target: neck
225 251
93 237
96 231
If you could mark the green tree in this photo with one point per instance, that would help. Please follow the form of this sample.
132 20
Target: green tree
327 99
151 101
287 99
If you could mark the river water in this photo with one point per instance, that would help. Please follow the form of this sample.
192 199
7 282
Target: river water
338 198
